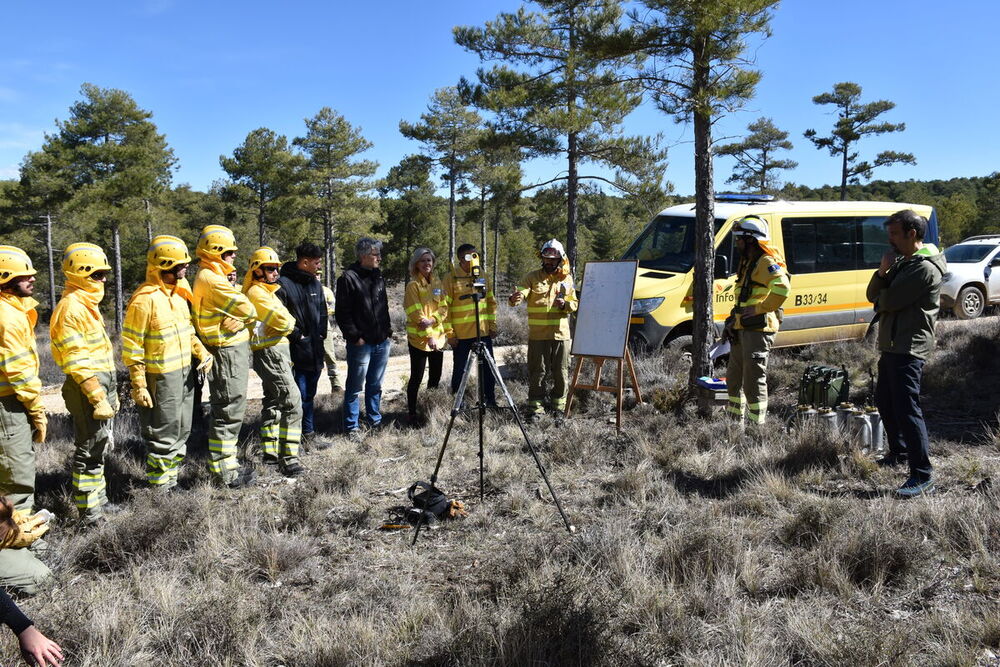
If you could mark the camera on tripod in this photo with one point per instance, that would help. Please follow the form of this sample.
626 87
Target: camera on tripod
476 272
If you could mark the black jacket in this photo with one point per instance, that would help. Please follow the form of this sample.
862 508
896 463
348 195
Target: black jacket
362 305
302 294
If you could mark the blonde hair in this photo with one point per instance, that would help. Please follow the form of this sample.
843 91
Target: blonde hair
415 257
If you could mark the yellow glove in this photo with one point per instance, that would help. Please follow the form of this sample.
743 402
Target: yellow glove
29 529
232 325
140 394
98 398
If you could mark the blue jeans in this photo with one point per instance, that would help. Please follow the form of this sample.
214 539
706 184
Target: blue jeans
365 366
307 381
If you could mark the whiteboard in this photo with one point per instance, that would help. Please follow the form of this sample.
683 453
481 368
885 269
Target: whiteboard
605 308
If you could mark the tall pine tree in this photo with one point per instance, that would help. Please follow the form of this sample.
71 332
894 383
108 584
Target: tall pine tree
756 163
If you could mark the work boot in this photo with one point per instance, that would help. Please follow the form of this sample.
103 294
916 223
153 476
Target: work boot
335 387
294 469
558 417
245 476
314 441
269 460
915 486
356 435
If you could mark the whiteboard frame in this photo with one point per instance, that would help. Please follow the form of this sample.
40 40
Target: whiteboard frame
583 301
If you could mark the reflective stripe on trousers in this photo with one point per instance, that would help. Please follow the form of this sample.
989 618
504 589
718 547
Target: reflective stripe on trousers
228 399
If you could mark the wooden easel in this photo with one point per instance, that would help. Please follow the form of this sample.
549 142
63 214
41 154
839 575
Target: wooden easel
618 388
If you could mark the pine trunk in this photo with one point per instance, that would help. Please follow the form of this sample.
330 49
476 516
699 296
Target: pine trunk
451 215
571 186
704 248
260 221
482 223
52 262
116 251
843 174
149 221
496 247
331 258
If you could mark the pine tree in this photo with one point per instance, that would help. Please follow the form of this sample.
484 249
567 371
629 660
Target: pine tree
410 206
856 120
335 174
270 176
755 161
554 96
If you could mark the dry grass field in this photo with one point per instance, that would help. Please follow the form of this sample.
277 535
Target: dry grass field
697 544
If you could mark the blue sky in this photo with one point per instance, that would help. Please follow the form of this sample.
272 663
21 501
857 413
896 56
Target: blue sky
212 71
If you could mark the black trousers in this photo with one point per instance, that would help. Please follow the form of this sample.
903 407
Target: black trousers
897 397
486 376
418 359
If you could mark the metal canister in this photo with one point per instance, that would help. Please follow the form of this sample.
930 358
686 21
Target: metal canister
861 429
878 430
828 419
844 411
804 413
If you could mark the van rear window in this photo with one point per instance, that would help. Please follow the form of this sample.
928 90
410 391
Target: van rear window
968 254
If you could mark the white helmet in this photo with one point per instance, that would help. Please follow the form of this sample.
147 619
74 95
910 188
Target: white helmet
553 244
753 226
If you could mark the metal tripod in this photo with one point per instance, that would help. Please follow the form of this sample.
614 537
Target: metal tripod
481 354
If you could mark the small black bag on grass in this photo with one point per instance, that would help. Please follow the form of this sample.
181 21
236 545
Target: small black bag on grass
430 499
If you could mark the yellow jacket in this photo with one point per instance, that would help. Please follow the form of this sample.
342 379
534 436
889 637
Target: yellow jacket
216 299
425 300
158 332
461 319
331 301
18 352
274 320
80 345
769 287
540 290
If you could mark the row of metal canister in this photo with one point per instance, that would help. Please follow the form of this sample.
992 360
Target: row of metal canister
863 425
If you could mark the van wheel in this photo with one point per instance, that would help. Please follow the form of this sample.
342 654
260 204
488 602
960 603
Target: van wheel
680 347
970 303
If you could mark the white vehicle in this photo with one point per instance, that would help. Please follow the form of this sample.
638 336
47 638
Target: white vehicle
973 278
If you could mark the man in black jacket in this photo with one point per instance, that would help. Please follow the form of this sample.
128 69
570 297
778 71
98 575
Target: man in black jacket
363 318
302 294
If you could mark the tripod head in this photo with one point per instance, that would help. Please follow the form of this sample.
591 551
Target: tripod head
478 280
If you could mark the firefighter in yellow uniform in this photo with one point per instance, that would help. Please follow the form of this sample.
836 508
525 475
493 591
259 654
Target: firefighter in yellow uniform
551 297
158 342
22 416
460 323
222 317
281 413
762 285
82 349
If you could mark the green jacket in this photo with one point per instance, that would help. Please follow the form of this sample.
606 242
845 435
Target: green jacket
906 302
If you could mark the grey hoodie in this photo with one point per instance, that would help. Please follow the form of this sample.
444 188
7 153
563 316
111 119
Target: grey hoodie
906 302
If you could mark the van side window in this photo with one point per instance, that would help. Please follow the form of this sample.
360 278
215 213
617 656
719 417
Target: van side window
820 245
873 242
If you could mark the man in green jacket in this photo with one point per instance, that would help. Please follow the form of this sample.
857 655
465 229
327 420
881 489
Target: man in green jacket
905 291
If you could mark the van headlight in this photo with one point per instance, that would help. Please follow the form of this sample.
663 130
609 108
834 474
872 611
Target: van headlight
643 306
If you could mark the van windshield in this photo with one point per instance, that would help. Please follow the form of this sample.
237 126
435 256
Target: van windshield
667 244
968 254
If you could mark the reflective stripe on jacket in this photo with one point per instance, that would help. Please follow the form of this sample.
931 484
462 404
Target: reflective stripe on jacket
540 290
80 345
158 331
215 299
425 300
461 319
769 287
18 351
274 320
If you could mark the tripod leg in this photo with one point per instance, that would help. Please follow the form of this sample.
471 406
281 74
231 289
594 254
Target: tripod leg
527 439
481 392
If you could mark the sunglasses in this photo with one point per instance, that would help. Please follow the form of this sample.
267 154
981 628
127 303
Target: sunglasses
269 269
99 275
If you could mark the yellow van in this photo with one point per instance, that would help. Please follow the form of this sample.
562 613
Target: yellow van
831 248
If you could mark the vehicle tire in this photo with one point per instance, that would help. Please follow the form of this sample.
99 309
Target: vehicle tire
639 347
680 348
969 303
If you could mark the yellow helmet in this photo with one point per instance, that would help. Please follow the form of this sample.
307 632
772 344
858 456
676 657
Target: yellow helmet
14 263
166 252
216 240
264 256
82 259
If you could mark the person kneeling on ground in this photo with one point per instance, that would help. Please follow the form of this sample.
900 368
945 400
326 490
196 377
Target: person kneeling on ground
905 291
20 570
426 312
551 297
281 413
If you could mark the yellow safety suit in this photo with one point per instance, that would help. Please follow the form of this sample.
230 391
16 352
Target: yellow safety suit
82 349
222 314
460 321
548 334
281 412
746 374
158 343
20 399
425 299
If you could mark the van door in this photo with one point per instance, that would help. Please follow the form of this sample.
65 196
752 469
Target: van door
821 252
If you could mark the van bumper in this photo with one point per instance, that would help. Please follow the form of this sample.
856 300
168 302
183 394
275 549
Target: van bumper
647 332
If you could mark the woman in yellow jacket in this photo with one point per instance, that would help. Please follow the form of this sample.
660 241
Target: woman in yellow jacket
426 311
81 347
158 343
22 415
222 315
281 414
